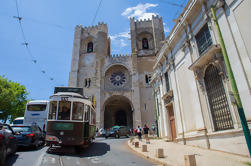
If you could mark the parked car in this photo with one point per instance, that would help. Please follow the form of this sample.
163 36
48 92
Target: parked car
8 142
101 132
118 131
18 121
29 135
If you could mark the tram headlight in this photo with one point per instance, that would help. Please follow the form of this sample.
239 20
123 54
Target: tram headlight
61 133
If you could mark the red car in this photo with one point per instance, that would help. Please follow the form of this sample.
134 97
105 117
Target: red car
8 142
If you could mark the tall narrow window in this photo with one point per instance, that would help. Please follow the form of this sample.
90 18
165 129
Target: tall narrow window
219 107
167 82
87 82
203 39
148 78
90 47
145 43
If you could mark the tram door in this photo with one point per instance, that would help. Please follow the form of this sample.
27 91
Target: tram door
86 129
87 121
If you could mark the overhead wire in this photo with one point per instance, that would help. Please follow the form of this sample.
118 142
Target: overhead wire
94 18
33 59
180 8
172 3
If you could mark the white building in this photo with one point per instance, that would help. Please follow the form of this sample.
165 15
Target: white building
193 95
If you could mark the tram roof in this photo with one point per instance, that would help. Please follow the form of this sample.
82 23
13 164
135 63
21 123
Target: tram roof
38 101
72 94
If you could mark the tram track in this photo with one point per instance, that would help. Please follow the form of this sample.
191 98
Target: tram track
61 161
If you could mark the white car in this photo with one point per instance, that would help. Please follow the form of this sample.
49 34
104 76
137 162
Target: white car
101 132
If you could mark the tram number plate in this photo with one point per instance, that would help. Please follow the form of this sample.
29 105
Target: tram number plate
64 98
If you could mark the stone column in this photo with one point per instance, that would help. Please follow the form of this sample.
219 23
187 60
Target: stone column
164 112
73 77
135 98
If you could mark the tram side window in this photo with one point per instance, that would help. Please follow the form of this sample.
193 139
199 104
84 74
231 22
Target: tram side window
87 112
77 112
93 116
64 111
53 110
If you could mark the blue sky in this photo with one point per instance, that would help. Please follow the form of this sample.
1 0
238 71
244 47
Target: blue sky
49 25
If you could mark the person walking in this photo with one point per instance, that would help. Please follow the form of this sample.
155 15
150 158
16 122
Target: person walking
153 128
146 130
135 132
139 132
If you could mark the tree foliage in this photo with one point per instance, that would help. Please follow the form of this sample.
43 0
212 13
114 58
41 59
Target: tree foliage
13 98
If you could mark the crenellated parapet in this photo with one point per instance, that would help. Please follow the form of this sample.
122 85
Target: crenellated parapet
120 55
119 58
145 22
100 27
151 29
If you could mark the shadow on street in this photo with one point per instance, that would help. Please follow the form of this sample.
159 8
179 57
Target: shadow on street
11 159
95 149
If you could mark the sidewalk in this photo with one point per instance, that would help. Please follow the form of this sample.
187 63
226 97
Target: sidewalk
174 154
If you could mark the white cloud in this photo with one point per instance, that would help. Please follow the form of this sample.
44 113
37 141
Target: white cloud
120 35
140 11
120 39
166 28
123 43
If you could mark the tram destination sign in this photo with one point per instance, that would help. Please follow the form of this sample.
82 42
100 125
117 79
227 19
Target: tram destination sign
68 89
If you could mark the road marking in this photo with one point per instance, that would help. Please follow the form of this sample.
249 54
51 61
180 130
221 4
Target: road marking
53 160
94 160
40 159
60 161
78 163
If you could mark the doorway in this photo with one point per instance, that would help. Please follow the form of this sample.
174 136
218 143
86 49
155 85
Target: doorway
172 121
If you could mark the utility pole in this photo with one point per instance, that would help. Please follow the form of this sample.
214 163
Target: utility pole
233 83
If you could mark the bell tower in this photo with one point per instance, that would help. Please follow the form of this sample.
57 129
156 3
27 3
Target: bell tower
90 45
146 36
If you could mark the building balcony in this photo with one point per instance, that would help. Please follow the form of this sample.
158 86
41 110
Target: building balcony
168 97
207 56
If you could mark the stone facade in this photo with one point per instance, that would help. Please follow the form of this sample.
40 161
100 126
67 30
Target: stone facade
119 83
194 99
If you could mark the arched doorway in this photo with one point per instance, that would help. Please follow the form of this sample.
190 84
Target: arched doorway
118 111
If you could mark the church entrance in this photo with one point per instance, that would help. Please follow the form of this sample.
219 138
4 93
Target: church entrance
118 112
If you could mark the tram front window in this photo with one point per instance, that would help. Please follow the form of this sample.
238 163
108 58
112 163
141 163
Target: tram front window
64 111
53 109
77 112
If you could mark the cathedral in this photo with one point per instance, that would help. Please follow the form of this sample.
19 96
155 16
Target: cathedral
119 83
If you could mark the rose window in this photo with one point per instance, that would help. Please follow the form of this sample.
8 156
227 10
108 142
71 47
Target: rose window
118 78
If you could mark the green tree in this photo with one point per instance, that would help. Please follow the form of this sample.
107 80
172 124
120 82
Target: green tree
13 98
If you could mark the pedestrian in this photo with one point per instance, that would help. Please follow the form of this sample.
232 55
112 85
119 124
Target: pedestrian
139 132
97 132
146 129
135 131
153 128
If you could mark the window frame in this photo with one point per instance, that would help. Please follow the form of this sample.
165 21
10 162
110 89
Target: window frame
56 112
87 111
203 33
145 41
89 47
75 102
166 75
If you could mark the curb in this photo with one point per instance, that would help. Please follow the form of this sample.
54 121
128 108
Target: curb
146 156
